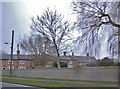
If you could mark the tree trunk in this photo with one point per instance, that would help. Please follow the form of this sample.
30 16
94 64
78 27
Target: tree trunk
58 62
58 55
119 33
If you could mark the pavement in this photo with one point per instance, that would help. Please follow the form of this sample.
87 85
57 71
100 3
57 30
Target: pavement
16 86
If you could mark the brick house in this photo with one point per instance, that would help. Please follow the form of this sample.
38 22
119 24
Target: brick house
23 62
77 61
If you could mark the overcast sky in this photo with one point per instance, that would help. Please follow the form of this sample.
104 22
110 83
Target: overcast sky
16 15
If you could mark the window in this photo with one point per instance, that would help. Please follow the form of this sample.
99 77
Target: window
22 61
70 62
21 67
8 67
10 61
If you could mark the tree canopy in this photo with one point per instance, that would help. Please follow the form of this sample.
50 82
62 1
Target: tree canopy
52 26
37 46
95 19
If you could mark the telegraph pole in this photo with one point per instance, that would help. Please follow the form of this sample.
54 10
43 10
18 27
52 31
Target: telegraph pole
118 36
11 57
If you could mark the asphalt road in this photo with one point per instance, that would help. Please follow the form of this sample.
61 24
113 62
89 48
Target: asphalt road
17 86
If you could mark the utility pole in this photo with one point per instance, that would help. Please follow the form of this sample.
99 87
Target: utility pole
118 32
11 57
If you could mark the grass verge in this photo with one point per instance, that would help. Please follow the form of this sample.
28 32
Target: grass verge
38 78
37 82
41 83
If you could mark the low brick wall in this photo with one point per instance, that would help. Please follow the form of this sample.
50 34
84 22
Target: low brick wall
102 74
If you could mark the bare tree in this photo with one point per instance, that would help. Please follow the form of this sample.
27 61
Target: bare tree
2 52
52 26
95 19
37 47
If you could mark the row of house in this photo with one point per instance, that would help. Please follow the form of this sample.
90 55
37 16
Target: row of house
77 61
26 61
23 62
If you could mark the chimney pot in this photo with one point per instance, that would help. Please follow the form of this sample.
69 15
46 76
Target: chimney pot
65 53
72 53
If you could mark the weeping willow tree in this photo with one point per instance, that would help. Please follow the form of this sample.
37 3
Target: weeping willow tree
95 21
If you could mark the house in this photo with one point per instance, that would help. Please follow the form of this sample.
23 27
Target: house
21 61
77 61
24 61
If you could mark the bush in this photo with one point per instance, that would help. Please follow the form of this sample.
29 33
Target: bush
117 64
93 64
62 64
106 62
55 64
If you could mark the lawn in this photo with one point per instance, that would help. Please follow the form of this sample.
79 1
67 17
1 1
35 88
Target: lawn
57 82
40 83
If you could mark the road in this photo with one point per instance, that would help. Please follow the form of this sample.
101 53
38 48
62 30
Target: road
18 86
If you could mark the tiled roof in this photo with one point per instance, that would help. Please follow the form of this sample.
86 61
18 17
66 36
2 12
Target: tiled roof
79 58
7 56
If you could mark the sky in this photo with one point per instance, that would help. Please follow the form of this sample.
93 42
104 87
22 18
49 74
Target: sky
16 15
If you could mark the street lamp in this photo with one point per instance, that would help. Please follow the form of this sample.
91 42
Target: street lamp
11 57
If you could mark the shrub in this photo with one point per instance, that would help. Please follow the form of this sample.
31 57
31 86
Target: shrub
92 64
55 64
106 62
62 64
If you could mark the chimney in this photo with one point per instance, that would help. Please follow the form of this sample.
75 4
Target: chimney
72 53
87 55
64 53
18 51
18 54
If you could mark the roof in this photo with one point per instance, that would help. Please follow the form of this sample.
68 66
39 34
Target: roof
79 58
7 56
83 59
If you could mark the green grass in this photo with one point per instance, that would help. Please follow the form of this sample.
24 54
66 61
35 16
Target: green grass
37 78
41 83
94 81
0 79
37 82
